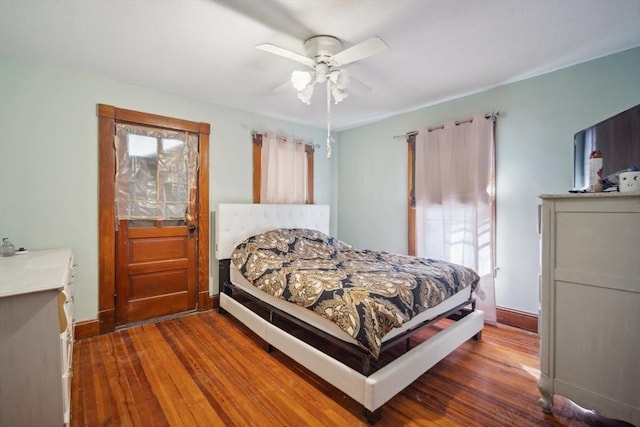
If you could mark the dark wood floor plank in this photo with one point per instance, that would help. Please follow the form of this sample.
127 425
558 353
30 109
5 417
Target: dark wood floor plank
178 395
125 379
136 389
200 367
207 369
235 380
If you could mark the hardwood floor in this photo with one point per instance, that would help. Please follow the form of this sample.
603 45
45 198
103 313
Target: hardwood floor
207 369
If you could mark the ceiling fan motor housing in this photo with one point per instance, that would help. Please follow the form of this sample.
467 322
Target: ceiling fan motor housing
322 48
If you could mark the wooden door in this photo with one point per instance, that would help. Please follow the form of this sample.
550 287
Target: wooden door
156 269
156 198
143 285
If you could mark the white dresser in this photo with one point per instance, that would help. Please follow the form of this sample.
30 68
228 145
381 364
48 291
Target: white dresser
36 338
589 323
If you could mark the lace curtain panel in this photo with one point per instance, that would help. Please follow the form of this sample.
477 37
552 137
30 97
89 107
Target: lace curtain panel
156 173
455 196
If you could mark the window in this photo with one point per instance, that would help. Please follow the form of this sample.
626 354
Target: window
156 172
411 142
451 198
451 166
282 170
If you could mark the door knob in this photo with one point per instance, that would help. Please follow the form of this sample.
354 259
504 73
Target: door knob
192 228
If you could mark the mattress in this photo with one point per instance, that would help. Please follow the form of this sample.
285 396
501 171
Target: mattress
331 328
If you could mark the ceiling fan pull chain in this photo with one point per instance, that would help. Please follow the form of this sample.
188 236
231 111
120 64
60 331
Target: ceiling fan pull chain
328 119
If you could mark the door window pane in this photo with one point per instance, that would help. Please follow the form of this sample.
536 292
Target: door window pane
173 177
156 173
143 223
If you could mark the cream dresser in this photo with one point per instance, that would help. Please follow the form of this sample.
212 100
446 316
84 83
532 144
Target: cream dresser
36 338
589 323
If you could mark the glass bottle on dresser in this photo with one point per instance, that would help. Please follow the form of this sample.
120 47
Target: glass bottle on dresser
7 248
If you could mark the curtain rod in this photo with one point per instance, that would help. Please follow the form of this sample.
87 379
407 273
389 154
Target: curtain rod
255 132
493 116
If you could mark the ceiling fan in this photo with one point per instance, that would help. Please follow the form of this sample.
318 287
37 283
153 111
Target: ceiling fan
324 55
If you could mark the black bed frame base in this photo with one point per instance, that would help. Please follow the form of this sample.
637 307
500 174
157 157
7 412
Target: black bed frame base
373 416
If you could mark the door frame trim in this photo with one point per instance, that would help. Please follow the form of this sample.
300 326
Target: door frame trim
107 117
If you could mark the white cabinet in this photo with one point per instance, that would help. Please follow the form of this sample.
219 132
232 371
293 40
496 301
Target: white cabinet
590 302
36 338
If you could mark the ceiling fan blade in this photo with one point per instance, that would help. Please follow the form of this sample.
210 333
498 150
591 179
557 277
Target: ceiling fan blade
284 86
370 47
270 13
356 87
287 54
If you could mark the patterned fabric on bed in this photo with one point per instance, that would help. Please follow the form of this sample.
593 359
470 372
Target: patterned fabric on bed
366 293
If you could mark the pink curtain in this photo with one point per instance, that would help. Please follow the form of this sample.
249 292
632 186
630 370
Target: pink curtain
455 195
284 175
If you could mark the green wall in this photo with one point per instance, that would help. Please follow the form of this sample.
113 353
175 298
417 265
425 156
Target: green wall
49 165
49 159
534 156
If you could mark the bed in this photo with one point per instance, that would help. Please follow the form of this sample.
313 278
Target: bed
278 322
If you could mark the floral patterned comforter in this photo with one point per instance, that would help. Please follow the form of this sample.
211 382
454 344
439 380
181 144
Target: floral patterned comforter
366 293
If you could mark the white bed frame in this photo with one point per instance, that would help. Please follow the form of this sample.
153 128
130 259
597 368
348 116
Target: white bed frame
236 222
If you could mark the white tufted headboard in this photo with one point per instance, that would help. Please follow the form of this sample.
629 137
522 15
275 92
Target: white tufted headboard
237 222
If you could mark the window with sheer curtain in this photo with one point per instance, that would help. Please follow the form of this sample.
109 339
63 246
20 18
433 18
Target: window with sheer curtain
454 197
283 170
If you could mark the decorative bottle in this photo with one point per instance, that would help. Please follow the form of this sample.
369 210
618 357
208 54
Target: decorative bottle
7 248
595 171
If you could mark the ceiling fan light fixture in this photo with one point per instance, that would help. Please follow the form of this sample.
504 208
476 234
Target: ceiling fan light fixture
340 78
305 94
338 94
301 79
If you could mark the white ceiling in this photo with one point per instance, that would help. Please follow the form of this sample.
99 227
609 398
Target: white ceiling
205 49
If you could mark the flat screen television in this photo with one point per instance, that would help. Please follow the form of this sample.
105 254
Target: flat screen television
617 138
